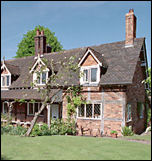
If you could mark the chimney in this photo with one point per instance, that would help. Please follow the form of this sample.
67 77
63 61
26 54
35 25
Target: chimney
40 43
130 28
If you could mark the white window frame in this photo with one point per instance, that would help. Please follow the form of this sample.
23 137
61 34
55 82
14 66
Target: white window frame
129 112
33 108
92 118
35 78
89 74
4 106
5 76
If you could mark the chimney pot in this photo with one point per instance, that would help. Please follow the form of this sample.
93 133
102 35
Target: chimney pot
42 33
131 10
37 32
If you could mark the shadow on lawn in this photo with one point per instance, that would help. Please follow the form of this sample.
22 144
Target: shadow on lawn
4 157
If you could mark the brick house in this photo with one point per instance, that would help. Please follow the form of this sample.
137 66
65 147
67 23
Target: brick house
112 84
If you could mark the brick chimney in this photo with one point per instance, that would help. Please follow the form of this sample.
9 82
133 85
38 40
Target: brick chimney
130 28
40 43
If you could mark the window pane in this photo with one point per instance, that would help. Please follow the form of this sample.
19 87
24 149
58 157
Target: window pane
42 113
85 76
3 81
5 108
142 110
38 79
97 112
89 110
93 74
31 112
81 111
43 77
36 107
7 80
128 112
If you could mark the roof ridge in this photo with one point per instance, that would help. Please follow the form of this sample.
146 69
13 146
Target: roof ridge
63 51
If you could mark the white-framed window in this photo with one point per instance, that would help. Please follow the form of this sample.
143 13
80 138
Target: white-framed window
89 111
129 112
41 78
90 74
5 80
140 108
5 108
33 107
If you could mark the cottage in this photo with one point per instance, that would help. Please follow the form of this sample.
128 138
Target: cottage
112 84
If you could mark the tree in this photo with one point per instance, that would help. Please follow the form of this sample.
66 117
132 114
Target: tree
69 67
148 82
26 46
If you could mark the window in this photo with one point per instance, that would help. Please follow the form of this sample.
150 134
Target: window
89 111
34 107
81 111
5 80
91 74
85 76
97 111
40 78
128 112
140 108
5 107
31 109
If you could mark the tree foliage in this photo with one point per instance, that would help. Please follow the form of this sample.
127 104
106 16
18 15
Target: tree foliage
148 81
27 46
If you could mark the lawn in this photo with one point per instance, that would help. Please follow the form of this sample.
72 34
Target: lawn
139 137
71 147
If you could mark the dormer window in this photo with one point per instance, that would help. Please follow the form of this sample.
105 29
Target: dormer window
41 78
90 74
40 72
90 67
5 80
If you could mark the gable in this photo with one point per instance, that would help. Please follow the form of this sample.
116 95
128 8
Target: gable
4 71
89 61
37 65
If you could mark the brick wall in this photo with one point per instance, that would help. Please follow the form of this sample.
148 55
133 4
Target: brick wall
113 105
136 93
89 61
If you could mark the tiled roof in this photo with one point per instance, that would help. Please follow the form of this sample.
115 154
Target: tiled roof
119 61
13 69
27 94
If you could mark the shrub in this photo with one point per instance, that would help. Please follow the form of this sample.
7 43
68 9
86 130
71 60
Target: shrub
114 132
36 131
10 129
18 130
126 131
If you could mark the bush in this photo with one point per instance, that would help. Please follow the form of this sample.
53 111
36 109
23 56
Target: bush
18 130
114 132
10 129
126 131
59 127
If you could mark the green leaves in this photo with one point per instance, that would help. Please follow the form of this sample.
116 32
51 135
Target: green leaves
27 45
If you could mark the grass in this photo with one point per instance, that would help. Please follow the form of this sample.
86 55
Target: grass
139 137
71 148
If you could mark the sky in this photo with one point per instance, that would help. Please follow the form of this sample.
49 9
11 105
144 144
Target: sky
75 23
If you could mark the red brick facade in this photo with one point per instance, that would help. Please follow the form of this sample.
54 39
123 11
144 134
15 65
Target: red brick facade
136 93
